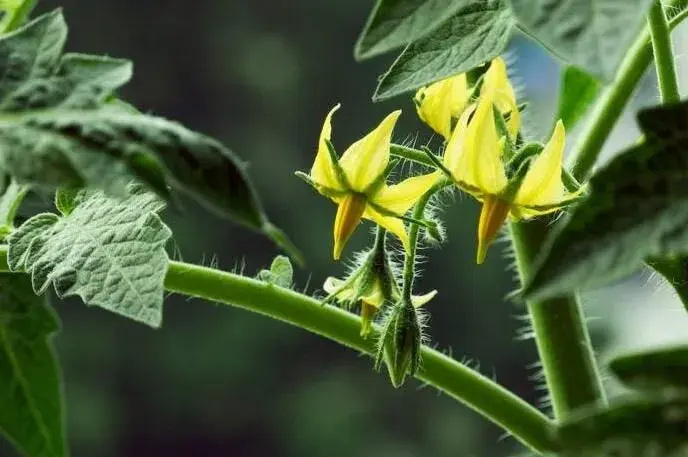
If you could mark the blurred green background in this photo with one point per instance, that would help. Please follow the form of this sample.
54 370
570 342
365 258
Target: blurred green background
218 381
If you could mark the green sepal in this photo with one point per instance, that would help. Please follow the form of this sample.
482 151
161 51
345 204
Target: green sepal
523 154
503 132
338 170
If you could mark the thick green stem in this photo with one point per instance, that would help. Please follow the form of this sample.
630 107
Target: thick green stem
560 333
614 99
663 53
559 324
469 387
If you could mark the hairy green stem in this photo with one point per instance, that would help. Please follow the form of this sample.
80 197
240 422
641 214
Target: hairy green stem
411 154
663 53
561 335
560 332
525 423
614 99
410 258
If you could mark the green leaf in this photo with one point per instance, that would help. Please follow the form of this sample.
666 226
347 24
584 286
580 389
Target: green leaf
108 251
32 51
106 148
281 273
592 34
9 203
16 12
59 128
637 427
637 209
31 403
654 369
395 23
66 199
477 33
577 92
674 269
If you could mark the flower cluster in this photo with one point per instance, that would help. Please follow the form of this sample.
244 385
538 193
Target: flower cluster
484 156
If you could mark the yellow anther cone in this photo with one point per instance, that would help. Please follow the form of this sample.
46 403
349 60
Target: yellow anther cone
349 213
492 216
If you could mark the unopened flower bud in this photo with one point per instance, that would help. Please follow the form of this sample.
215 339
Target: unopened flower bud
400 343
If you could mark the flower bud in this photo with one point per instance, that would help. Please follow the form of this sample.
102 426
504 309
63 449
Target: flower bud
400 343
370 285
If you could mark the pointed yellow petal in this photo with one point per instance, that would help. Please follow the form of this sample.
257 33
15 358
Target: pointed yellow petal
497 81
349 213
322 172
398 198
366 159
391 224
454 152
542 184
438 103
375 296
333 285
420 300
368 312
480 162
492 217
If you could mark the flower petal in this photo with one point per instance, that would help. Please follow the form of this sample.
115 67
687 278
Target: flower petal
420 300
542 184
398 198
375 296
366 159
323 172
454 154
390 223
333 285
497 80
438 103
480 163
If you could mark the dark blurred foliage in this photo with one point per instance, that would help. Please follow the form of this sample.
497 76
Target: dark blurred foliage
218 381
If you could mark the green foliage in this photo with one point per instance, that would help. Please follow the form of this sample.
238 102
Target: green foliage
592 34
281 272
395 23
31 405
637 208
653 369
636 427
577 92
674 269
108 251
478 32
56 129
15 12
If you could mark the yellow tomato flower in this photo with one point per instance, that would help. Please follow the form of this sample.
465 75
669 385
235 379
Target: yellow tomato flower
441 103
356 183
474 158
